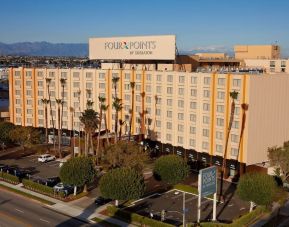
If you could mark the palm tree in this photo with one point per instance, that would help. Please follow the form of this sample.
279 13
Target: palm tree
71 109
234 96
59 103
143 113
101 104
89 118
89 104
104 109
62 82
79 147
132 86
121 123
45 102
48 81
114 81
117 105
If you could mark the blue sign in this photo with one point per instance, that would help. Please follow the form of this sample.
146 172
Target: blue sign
208 181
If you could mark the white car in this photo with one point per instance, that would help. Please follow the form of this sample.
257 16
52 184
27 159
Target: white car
46 158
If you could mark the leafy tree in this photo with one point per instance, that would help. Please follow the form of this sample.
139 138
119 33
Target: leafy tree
171 169
122 184
24 136
257 187
279 157
5 128
78 171
126 154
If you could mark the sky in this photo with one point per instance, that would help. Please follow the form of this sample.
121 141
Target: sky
213 25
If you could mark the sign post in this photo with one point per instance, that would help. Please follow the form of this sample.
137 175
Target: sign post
207 185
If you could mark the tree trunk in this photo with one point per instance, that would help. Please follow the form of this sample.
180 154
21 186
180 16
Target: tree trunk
73 142
98 138
51 114
91 143
85 187
106 131
115 126
252 204
59 134
120 132
116 202
46 125
131 114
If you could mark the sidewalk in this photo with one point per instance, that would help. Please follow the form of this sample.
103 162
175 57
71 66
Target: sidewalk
68 209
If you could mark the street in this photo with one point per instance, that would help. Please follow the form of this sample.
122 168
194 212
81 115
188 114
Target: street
18 211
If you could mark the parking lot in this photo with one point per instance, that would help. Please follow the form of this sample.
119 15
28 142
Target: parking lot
172 203
43 170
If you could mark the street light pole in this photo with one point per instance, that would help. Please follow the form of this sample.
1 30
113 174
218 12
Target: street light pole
184 209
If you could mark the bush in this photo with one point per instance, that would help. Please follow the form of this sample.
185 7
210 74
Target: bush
9 178
133 217
171 169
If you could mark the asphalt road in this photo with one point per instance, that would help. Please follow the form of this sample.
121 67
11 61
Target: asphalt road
18 211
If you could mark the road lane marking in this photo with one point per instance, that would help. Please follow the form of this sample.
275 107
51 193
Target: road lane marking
21 211
44 220
14 219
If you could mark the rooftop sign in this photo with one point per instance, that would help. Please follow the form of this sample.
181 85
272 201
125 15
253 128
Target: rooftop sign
133 48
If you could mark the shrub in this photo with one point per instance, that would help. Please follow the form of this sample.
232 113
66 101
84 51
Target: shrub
9 178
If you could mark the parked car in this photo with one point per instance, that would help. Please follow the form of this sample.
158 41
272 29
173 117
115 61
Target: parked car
46 158
101 201
3 167
51 181
16 171
60 187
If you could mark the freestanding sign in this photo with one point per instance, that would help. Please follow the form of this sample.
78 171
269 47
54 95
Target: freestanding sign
207 185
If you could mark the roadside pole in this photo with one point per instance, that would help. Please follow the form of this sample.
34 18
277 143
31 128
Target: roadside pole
199 198
215 207
184 209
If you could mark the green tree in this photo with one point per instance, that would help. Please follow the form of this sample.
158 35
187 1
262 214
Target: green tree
24 136
126 154
78 172
122 184
5 129
171 169
279 158
258 188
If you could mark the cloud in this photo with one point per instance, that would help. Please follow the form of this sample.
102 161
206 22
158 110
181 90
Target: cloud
210 48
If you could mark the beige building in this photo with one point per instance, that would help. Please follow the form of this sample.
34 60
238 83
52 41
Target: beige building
257 52
269 65
186 113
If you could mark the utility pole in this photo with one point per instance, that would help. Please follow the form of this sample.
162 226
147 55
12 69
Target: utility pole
184 209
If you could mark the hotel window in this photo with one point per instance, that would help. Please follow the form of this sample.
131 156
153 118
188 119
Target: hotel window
40 102
159 89
114 75
235 124
29 101
206 94
40 93
29 111
206 120
51 74
127 97
192 143
169 90
237 111
29 120
206 132
180 128
148 77
193 105
17 82
283 64
169 137
220 108
234 152
101 75
158 123
221 95
89 75
64 75
219 148
39 74
53 103
40 112
76 104
88 85
138 87
40 83
169 125
169 102
194 92
138 98
180 140
180 116
205 145
207 80
18 101
170 78
149 110
272 70
137 109
220 122
75 75
101 85
28 83
206 106
181 91
192 130
17 92
76 84
18 110
181 103
28 74
194 80
17 73
148 99
169 114
148 88
234 138
193 117
126 107
181 79
29 92
221 81
52 93
158 112
126 87
138 76
219 135
18 120
40 121
236 82
159 77
272 64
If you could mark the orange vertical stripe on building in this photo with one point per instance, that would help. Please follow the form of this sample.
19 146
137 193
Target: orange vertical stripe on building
35 106
243 102
133 108
120 91
11 96
213 88
227 113
23 97
108 94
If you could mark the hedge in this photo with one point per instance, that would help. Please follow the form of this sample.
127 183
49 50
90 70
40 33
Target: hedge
9 178
133 217
46 190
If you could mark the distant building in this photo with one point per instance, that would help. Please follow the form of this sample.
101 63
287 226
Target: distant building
257 52
270 65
